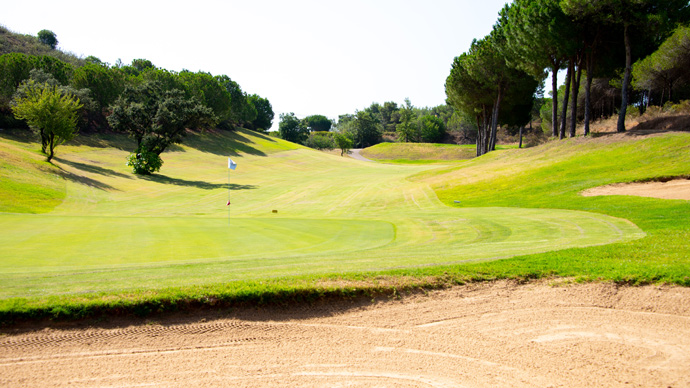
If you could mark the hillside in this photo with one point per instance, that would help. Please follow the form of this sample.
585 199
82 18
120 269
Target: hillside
12 42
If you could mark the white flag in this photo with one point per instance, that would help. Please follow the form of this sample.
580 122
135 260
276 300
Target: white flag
231 165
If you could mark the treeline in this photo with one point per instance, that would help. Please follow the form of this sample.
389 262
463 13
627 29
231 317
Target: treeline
98 86
380 122
55 98
495 81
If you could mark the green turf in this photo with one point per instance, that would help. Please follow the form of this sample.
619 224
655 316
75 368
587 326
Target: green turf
106 232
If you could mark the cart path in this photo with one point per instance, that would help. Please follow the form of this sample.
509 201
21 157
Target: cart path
355 153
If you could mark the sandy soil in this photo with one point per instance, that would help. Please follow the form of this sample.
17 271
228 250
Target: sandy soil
483 335
674 189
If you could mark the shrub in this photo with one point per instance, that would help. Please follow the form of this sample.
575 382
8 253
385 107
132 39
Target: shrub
682 107
144 163
320 141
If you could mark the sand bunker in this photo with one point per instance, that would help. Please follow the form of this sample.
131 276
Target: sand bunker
483 335
674 189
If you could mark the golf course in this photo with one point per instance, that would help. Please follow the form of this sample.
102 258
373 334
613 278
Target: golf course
305 268
86 233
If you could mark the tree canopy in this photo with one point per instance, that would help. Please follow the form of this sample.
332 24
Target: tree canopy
292 129
156 118
48 37
48 112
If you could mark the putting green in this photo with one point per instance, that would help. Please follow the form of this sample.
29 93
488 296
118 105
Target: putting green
117 231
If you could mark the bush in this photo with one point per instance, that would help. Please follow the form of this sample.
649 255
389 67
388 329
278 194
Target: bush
144 163
682 107
653 111
320 141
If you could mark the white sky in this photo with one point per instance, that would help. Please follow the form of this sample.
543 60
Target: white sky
307 57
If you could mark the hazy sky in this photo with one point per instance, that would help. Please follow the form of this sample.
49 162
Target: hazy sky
307 57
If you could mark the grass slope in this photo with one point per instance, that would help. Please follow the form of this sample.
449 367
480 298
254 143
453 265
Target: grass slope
120 242
421 153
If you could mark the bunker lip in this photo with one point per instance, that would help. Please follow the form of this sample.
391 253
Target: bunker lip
668 189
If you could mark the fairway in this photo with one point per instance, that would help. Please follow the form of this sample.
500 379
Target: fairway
116 231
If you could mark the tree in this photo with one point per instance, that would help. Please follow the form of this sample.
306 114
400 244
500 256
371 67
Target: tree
292 129
156 118
540 36
105 83
667 67
206 88
408 130
318 123
264 113
652 18
484 85
48 112
240 110
343 142
432 129
367 129
48 37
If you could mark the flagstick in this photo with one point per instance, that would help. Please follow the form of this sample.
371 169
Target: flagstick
228 196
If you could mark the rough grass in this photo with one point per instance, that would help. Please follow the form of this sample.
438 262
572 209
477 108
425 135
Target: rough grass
434 245
418 152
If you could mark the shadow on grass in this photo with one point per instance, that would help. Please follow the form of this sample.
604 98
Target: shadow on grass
84 180
198 184
93 169
227 143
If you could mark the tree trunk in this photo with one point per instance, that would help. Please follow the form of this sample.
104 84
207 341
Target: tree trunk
568 78
588 94
520 145
626 81
573 105
494 120
485 132
51 147
554 105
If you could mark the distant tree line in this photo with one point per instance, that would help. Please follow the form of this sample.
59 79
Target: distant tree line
105 84
596 42
376 123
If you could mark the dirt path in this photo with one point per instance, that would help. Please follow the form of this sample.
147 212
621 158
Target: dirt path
487 335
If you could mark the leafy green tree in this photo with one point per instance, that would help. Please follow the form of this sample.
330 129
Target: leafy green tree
16 67
206 88
343 142
469 95
432 129
318 123
48 37
390 116
653 17
105 83
292 129
408 130
156 118
48 112
667 67
367 129
264 113
539 35
240 110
